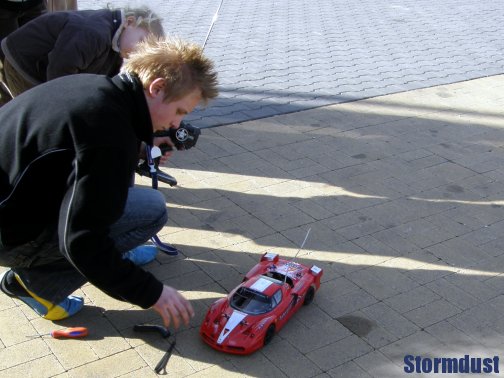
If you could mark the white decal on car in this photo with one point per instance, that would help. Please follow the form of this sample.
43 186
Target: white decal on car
261 284
235 319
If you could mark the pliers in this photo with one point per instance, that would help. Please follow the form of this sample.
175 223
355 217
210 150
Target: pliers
165 333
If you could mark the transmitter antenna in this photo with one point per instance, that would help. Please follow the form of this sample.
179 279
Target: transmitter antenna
214 20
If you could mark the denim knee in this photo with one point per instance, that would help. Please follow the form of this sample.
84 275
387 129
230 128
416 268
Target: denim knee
159 204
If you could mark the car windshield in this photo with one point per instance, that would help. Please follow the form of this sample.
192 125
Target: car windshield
250 302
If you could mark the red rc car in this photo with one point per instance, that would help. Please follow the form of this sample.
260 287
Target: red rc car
251 315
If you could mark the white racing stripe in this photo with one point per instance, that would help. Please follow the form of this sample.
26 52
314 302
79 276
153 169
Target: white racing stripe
235 319
261 284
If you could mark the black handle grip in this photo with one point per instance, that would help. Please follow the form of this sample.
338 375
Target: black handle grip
165 147
152 328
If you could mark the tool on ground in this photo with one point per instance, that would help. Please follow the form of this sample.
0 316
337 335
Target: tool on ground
67 333
161 366
165 333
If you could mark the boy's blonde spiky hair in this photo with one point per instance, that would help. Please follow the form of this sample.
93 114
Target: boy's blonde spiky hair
181 63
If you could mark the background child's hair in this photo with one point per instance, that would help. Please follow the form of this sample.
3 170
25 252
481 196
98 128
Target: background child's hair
146 19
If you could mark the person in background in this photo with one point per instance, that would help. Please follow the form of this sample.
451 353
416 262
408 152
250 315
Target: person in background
56 44
14 14
68 152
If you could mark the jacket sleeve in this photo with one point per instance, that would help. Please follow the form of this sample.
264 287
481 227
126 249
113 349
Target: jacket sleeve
94 201
75 50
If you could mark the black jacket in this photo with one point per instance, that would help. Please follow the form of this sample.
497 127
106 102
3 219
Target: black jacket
68 150
17 6
65 43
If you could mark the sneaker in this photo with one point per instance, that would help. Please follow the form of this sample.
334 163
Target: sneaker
164 247
141 255
11 284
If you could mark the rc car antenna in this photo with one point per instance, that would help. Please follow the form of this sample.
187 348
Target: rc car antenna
300 248
302 245
214 20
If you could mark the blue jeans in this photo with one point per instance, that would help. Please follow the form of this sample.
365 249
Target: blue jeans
46 272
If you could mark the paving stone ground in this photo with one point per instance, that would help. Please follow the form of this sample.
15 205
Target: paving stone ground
404 196
282 56
403 193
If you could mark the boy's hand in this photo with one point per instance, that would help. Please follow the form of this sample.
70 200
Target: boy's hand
172 306
162 142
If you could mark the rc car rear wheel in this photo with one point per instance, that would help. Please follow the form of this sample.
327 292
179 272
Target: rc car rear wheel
310 294
270 333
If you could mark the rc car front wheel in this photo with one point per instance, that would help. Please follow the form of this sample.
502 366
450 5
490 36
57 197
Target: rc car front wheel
310 294
270 333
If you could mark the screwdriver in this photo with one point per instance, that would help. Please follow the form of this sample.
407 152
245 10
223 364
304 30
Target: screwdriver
68 333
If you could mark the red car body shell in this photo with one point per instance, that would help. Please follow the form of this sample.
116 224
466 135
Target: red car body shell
233 330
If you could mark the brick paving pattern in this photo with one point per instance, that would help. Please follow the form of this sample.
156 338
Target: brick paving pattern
403 193
277 57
